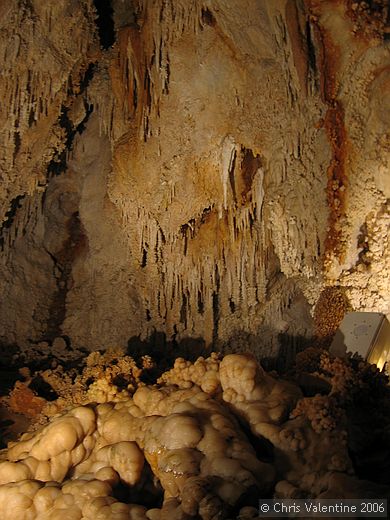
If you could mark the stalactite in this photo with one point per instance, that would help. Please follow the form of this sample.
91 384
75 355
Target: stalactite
190 279
33 90
144 65
24 219
219 145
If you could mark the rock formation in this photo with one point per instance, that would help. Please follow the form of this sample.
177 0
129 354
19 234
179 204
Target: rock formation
187 175
201 169
175 450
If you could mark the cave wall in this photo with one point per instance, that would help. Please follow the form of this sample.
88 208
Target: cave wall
202 169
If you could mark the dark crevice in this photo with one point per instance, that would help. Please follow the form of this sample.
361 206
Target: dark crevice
31 117
310 48
187 230
184 310
146 129
205 214
249 165
144 259
105 23
43 389
56 265
57 165
82 125
318 247
120 381
10 217
67 125
200 303
86 79
75 90
17 143
135 94
147 88
232 166
167 78
208 18
147 492
189 226
160 54
216 307
162 11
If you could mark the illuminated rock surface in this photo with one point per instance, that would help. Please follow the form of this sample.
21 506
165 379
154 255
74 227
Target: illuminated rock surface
204 170
184 452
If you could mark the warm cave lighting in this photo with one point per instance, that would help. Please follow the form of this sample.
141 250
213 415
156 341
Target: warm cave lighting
366 333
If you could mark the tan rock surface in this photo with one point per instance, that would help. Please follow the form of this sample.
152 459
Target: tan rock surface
222 164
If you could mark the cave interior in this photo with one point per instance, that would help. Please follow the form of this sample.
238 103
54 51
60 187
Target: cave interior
194 256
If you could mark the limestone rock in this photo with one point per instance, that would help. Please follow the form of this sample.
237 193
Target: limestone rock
204 171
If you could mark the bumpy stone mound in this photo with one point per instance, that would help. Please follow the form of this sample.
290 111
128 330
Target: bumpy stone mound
214 435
